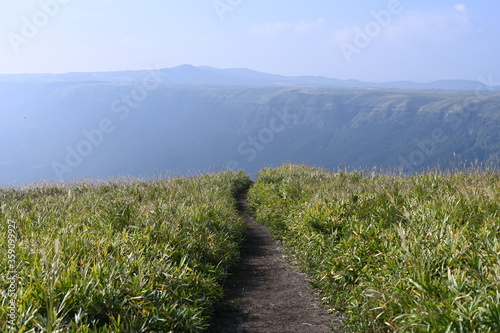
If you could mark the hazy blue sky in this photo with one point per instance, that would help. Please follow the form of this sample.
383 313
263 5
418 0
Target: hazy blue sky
416 40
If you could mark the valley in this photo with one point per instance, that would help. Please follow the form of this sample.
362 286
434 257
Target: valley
143 124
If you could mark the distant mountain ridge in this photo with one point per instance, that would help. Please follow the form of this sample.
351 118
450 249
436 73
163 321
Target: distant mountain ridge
184 119
205 75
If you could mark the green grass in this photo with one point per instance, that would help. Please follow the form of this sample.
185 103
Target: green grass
138 256
392 253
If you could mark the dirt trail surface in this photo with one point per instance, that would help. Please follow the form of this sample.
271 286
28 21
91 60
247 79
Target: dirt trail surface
266 294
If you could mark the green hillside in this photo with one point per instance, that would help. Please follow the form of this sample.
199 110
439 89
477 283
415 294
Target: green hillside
130 256
392 253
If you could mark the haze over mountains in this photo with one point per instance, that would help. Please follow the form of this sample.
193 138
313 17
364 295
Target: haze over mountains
205 75
187 118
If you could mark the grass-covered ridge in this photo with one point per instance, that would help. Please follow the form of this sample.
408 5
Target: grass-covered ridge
118 257
393 253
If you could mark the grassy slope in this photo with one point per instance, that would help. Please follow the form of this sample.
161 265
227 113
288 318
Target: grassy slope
132 257
418 253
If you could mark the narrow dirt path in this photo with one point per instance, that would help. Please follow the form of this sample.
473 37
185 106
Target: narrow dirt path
266 294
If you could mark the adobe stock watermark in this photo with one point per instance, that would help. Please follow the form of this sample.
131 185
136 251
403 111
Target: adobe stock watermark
31 26
250 148
222 7
121 107
426 148
364 36
12 275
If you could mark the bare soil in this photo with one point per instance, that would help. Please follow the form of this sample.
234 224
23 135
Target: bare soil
267 293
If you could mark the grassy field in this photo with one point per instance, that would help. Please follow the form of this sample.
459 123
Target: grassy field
405 254
138 256
392 253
